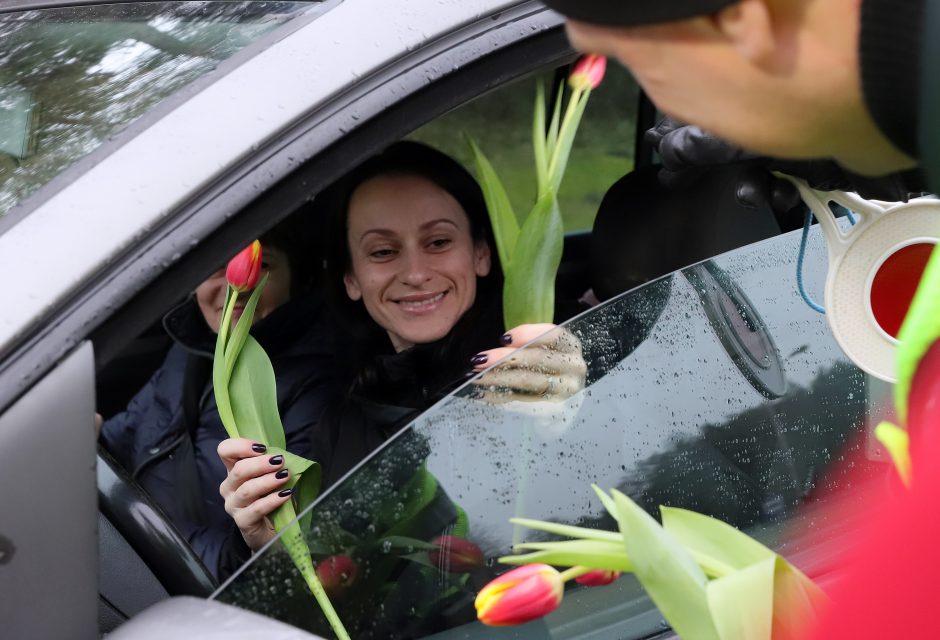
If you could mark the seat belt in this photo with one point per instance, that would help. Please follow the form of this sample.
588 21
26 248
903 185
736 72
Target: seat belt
188 488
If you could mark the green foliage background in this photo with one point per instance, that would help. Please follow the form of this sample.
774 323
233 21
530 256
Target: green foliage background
501 123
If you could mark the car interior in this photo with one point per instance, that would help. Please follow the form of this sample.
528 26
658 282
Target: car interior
619 220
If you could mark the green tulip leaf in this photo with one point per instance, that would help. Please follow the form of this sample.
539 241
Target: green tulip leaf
742 602
538 140
920 330
529 289
233 347
718 547
569 127
503 218
798 602
571 553
220 375
254 396
569 531
671 577
552 137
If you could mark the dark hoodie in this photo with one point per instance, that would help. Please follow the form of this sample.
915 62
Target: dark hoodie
149 437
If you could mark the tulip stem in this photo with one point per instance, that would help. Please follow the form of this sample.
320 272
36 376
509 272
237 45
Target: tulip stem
574 572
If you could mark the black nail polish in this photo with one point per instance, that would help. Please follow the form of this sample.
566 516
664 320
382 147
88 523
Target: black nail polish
506 339
479 358
284 493
258 448
276 460
283 473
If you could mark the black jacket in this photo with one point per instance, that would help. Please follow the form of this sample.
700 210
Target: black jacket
149 437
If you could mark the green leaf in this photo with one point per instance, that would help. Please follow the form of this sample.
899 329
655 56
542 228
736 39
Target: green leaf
897 442
742 602
718 547
529 289
220 374
669 574
552 138
234 346
571 553
606 500
502 217
798 602
568 530
254 396
920 330
538 139
398 544
569 128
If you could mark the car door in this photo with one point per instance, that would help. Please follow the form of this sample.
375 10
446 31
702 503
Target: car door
121 226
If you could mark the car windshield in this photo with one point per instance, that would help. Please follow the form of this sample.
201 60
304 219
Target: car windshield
715 388
70 78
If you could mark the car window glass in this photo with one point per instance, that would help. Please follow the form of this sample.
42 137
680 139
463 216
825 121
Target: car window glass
71 78
501 124
715 388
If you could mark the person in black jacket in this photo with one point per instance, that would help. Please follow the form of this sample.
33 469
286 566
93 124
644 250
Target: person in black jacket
168 434
418 286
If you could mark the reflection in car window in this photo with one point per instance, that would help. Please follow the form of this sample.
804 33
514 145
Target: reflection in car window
70 78
501 123
715 388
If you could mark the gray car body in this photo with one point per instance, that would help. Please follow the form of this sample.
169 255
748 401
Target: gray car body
112 238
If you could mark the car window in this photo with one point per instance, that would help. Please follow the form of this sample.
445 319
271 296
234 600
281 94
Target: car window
71 78
715 388
501 123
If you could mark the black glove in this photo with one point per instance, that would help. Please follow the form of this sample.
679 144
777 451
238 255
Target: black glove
686 153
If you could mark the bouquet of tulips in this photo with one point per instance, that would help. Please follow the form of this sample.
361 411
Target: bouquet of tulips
244 384
709 580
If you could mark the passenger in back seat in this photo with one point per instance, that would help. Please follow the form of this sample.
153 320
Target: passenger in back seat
168 434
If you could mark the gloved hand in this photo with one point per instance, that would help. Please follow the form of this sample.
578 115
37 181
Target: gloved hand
686 153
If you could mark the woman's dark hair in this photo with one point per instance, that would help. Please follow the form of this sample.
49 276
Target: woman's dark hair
367 337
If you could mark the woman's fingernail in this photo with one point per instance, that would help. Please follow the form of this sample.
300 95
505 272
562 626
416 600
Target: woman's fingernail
285 492
258 448
479 358
470 374
283 473
276 460
506 339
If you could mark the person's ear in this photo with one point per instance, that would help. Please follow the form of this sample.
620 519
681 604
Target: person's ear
749 26
352 287
482 258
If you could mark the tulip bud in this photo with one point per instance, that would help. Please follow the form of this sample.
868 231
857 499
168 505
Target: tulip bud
523 594
243 270
588 72
597 578
337 573
455 554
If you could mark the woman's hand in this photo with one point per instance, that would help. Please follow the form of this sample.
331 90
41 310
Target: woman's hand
550 367
250 489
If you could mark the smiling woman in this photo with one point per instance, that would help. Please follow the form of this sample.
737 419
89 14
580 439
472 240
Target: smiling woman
413 273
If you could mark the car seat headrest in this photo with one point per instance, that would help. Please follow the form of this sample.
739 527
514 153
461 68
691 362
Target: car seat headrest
644 230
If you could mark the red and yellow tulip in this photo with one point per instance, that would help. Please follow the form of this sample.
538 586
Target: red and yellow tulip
244 269
588 72
597 578
520 595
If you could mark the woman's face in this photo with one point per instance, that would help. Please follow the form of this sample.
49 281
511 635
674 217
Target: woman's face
210 295
414 263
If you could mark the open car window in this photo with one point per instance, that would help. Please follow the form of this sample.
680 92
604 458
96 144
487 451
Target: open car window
715 388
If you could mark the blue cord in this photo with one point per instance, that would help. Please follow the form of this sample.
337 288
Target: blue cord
799 258
799 264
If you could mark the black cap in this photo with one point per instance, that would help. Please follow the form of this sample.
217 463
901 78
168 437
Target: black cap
628 13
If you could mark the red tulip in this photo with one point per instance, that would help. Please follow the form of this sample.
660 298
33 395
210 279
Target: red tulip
588 72
244 269
455 554
523 594
597 578
337 573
